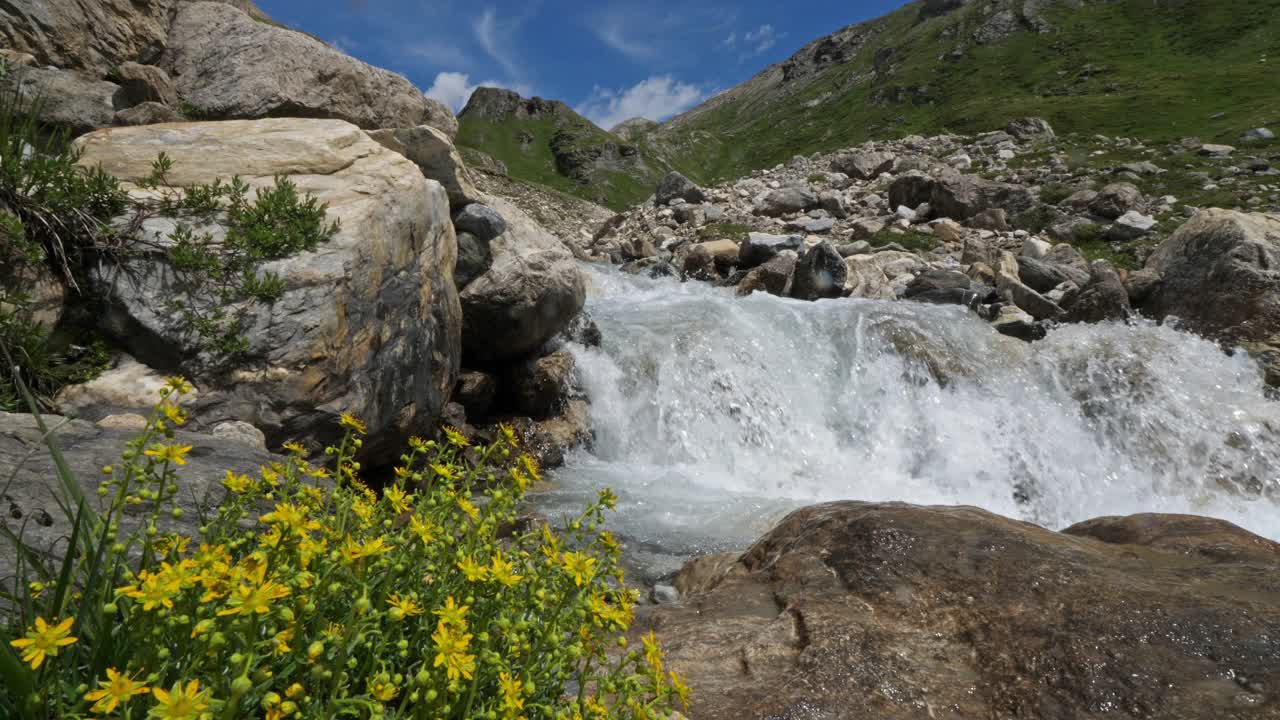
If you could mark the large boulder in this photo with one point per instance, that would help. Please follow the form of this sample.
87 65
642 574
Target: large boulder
144 83
863 165
1116 199
773 276
785 201
675 186
367 323
64 99
532 290
226 64
434 153
1103 298
1220 277
759 248
820 273
961 197
891 611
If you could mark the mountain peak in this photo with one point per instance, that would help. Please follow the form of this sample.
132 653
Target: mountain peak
491 103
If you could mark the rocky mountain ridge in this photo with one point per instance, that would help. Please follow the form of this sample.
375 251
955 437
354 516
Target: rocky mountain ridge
545 141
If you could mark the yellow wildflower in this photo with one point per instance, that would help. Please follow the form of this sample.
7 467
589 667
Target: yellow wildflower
173 413
351 422
451 651
512 695
281 642
238 483
247 600
418 444
333 632
407 606
608 499
452 613
474 571
181 703
455 438
424 529
295 448
154 589
295 691
469 508
508 434
681 690
270 474
44 640
530 465
581 567
291 518
444 471
117 689
178 384
652 653
363 510
176 454
400 502
503 570
382 689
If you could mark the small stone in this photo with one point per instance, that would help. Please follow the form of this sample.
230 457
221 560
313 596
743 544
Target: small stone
241 432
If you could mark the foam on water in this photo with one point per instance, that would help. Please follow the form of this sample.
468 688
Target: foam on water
714 415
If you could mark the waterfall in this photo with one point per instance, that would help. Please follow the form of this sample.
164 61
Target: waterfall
714 415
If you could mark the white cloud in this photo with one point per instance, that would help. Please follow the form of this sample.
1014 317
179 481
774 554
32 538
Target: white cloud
760 40
434 53
732 41
493 39
656 98
454 89
345 44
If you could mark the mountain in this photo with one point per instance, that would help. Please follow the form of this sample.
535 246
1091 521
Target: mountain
546 142
1156 69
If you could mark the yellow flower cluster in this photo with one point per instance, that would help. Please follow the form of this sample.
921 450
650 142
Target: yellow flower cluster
308 593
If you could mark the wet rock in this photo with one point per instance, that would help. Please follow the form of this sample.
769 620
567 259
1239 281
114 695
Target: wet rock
1012 321
841 601
820 273
1101 299
1043 276
541 387
774 276
935 279
1035 304
1218 278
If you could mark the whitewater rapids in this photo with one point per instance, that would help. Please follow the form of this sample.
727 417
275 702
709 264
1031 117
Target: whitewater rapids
714 415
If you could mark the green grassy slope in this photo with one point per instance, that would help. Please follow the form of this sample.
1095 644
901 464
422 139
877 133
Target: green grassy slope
529 147
1157 69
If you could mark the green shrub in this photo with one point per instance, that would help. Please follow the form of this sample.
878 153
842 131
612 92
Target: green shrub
306 594
818 179
1054 193
909 239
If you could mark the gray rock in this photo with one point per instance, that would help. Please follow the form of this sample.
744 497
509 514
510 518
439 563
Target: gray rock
367 323
1031 128
863 165
774 276
865 278
1211 150
531 292
129 387
687 214
977 250
1140 284
1035 304
820 273
936 279
481 221
1080 199
228 65
786 201
713 214
664 595
676 186
910 190
435 155
1130 226
148 113
995 219
542 387
66 99
1044 276
1144 167
240 432
475 392
813 227
861 247
144 83
1115 200
1218 277
474 258
1257 134
833 203
1103 298
960 197
759 248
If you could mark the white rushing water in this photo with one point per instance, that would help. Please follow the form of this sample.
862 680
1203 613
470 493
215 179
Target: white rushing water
714 415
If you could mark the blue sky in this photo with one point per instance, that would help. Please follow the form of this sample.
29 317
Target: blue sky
610 60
